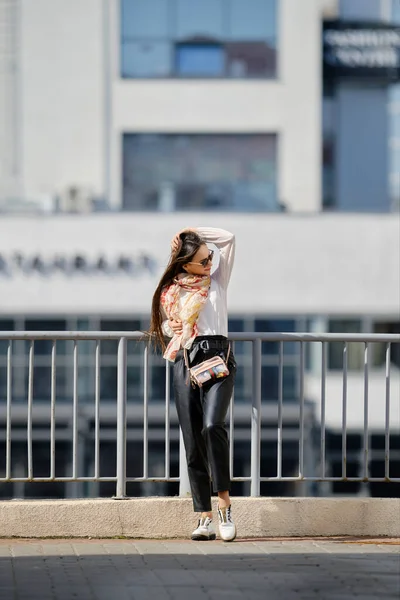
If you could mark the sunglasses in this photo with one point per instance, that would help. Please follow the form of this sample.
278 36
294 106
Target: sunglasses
205 261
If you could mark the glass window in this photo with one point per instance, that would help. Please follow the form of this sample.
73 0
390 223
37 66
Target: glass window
335 349
328 174
290 383
110 347
42 383
329 106
237 325
134 384
43 347
86 382
278 326
270 383
3 383
396 11
394 91
379 349
243 383
5 325
194 172
394 187
135 348
198 38
108 381
250 59
394 146
199 19
395 127
395 157
145 18
86 348
146 59
199 60
109 357
252 19
157 378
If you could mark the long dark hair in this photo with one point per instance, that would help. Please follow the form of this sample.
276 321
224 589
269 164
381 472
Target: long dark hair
190 243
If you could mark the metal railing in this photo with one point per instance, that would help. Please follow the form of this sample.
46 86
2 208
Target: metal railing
255 477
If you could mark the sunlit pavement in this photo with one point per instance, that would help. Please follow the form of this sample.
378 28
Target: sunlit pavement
265 569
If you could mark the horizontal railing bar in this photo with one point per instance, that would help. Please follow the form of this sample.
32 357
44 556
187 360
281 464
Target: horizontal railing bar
135 409
237 336
153 479
351 479
90 479
354 455
159 436
55 480
320 480
323 480
176 479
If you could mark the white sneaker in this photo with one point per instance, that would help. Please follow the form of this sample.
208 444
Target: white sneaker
227 528
205 530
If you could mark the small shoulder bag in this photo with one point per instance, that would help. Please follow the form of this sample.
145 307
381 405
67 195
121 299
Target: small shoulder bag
208 370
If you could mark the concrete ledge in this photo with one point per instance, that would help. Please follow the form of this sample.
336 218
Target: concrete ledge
163 517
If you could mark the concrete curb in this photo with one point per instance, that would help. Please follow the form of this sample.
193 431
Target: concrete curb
162 517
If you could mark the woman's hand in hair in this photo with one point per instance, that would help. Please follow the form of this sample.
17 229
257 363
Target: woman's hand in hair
176 241
176 325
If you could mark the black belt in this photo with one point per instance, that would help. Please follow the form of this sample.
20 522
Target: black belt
211 344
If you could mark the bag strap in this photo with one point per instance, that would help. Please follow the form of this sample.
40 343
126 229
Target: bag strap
185 354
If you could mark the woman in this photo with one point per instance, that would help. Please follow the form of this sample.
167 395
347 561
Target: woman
190 306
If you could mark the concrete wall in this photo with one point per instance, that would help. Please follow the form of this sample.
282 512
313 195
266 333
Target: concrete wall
174 517
62 95
9 101
325 264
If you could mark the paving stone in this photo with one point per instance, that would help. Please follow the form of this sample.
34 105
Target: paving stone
175 570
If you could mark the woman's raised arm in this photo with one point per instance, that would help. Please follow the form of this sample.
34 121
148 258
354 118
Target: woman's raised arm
225 242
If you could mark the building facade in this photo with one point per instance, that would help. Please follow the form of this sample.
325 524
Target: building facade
129 81
130 119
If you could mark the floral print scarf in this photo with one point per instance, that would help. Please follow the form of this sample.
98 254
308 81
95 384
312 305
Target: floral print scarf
198 286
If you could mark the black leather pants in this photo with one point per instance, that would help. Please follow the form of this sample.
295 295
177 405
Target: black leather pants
201 414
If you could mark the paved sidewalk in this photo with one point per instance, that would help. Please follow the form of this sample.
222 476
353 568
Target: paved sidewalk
267 569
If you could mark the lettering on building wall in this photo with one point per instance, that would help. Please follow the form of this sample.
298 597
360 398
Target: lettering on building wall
79 263
361 50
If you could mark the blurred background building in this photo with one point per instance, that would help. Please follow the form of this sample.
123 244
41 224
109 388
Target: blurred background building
122 121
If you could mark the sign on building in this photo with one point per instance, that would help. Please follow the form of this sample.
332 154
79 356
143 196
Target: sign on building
361 50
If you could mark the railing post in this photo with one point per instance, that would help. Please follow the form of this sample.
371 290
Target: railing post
8 414
121 420
256 421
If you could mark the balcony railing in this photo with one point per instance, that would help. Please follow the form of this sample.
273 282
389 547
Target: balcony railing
255 478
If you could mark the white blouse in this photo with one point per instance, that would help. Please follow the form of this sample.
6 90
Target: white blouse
213 319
